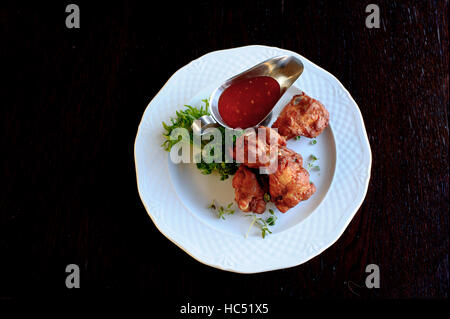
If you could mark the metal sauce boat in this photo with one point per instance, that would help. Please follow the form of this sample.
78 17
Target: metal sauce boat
285 69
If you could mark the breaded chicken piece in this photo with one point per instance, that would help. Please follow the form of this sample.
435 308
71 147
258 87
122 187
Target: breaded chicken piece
249 194
303 116
256 150
290 184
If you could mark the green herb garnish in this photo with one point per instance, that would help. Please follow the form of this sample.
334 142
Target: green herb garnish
222 211
297 137
311 165
185 119
224 169
266 197
314 141
272 219
263 223
212 205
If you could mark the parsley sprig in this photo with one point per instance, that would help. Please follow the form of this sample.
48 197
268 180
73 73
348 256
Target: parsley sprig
224 169
185 119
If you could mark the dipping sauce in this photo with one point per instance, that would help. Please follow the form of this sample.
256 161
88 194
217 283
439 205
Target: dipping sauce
246 103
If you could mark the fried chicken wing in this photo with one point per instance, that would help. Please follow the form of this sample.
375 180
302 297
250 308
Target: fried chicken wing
258 148
303 116
290 184
249 194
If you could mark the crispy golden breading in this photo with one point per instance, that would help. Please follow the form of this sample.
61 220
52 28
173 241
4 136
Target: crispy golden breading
290 184
303 116
249 194
257 150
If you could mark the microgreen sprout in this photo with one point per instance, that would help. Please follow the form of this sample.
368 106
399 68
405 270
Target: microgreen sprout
262 223
212 205
222 211
311 165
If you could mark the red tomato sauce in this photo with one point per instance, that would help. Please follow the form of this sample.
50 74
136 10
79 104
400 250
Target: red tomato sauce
247 102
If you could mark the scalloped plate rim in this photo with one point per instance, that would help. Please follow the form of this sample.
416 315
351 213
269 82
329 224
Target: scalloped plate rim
337 233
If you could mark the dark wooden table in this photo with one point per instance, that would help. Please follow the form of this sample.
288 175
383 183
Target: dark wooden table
72 100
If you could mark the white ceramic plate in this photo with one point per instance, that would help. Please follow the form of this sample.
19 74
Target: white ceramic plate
176 196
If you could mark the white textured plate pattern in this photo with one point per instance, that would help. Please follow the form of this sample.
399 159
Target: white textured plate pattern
221 245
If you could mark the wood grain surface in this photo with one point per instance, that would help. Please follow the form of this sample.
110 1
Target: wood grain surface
72 100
